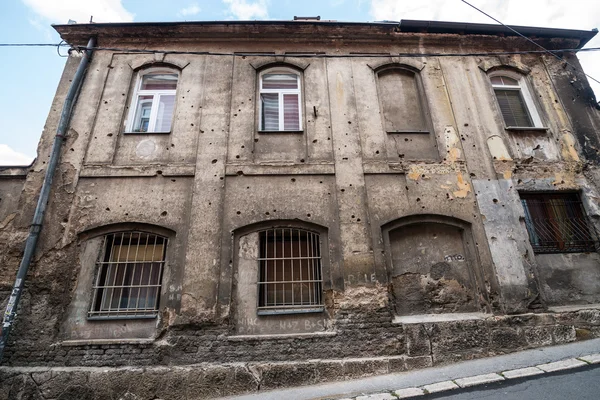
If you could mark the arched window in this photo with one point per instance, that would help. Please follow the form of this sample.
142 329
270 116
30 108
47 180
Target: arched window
128 275
514 100
280 100
290 275
153 101
402 101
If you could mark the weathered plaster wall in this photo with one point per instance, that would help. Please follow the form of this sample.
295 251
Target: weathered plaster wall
215 179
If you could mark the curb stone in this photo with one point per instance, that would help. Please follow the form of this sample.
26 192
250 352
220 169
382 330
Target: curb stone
471 381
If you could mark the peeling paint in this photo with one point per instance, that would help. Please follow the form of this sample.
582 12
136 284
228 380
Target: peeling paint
464 187
568 150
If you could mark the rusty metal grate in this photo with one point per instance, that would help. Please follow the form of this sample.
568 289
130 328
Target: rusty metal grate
557 223
290 276
129 275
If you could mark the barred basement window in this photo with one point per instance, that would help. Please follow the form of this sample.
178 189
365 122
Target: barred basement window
129 276
290 277
556 223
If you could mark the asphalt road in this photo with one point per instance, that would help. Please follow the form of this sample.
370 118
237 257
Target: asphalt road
581 384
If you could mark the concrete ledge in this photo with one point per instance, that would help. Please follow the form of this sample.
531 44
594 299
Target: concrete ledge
408 392
279 169
478 380
428 318
521 372
105 171
561 365
84 342
440 387
563 309
240 338
591 359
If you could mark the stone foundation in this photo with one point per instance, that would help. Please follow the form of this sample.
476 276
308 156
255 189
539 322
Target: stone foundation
169 368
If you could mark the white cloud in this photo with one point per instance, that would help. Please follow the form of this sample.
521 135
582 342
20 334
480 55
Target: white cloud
192 9
9 156
244 10
60 11
572 14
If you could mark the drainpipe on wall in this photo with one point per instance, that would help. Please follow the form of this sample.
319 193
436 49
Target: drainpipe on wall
40 209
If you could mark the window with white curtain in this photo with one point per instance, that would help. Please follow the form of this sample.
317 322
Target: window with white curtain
515 101
280 100
153 101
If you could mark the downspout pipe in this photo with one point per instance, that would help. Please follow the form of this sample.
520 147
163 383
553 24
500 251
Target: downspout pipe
40 209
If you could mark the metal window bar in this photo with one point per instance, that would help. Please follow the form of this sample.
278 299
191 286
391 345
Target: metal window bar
129 275
557 223
290 278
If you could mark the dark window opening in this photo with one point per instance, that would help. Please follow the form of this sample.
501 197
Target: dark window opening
290 277
556 223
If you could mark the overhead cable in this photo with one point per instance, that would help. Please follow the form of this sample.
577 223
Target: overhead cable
529 40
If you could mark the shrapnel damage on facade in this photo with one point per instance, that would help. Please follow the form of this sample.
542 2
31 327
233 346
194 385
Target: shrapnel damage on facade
262 204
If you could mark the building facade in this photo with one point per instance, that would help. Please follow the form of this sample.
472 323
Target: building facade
247 205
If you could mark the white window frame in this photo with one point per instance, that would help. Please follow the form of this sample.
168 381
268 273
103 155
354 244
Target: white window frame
281 92
138 92
525 94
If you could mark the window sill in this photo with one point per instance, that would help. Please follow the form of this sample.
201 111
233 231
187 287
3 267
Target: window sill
292 132
450 317
526 128
307 310
311 335
409 131
145 133
98 342
119 317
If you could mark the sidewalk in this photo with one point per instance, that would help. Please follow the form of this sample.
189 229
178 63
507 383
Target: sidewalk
365 388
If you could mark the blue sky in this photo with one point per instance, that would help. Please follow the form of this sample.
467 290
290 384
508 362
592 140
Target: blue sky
29 76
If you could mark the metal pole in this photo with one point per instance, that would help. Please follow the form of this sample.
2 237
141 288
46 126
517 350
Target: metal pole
38 217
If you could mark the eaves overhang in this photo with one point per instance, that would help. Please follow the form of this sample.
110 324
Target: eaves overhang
78 34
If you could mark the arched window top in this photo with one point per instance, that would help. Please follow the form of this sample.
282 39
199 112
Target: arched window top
153 101
387 68
514 99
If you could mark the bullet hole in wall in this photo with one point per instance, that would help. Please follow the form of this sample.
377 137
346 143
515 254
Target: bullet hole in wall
308 215
495 200
163 214
214 161
293 179
107 209
238 212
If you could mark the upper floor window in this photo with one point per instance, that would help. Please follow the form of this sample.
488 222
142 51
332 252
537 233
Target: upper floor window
280 100
129 275
402 101
515 101
557 223
153 101
290 276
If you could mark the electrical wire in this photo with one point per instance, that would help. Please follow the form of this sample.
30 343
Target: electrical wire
297 55
529 40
